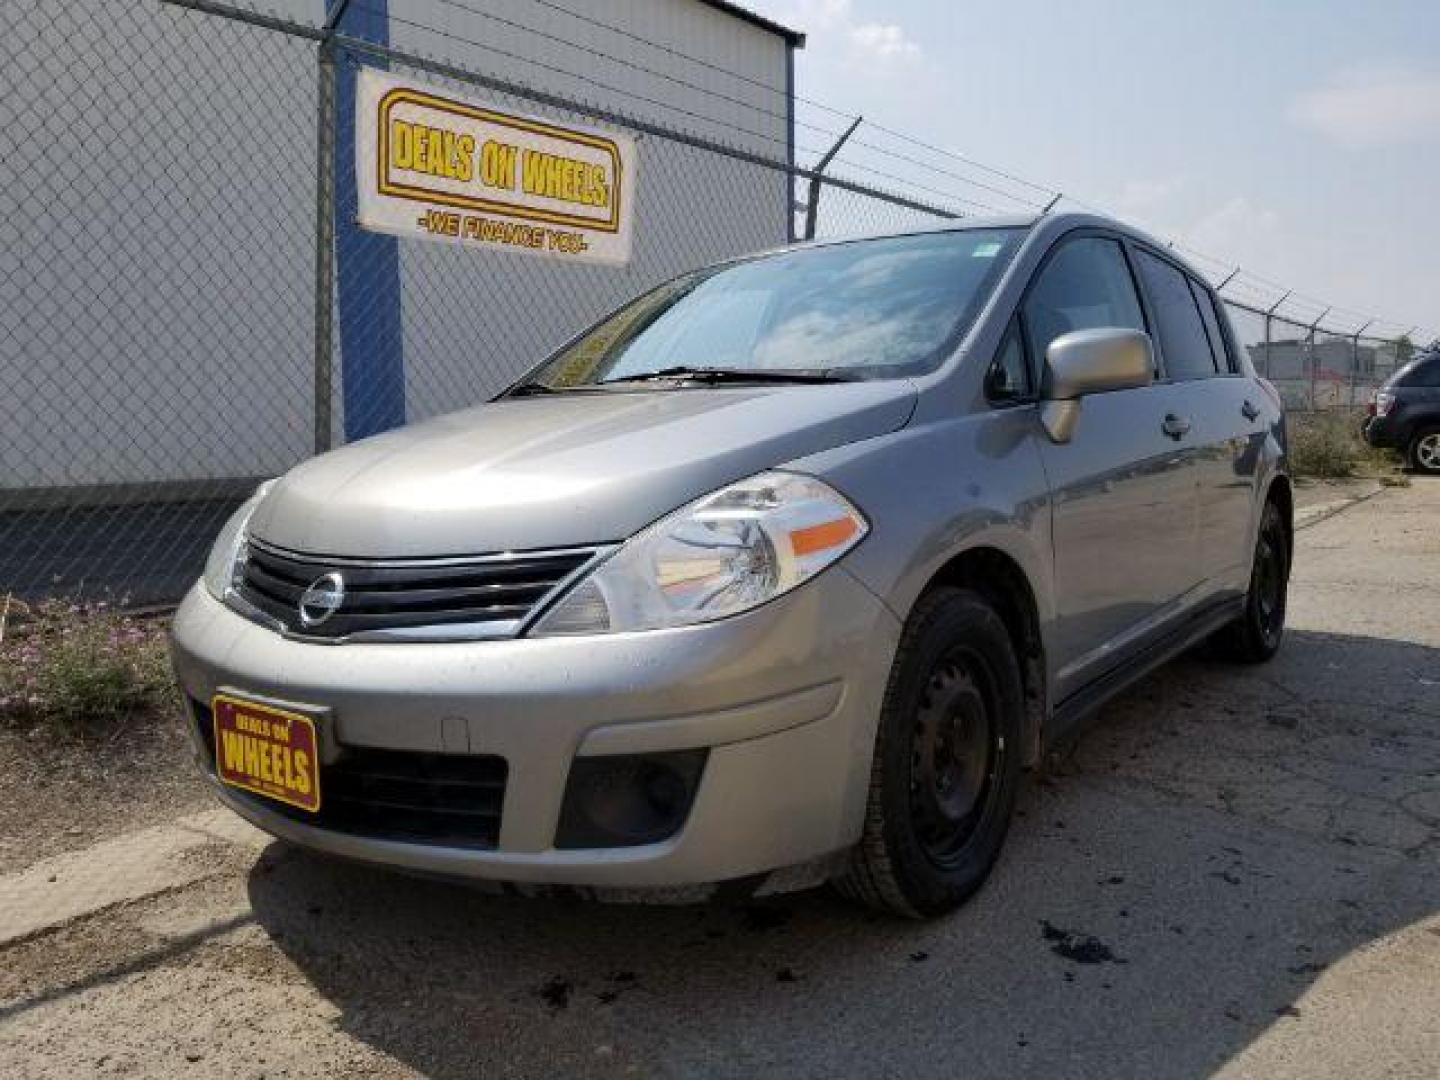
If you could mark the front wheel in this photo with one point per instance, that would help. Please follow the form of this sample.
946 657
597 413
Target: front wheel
1255 636
1425 451
946 762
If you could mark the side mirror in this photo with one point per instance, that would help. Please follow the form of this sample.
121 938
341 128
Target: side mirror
1090 362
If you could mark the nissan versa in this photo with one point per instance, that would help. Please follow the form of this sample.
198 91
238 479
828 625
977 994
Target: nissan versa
782 572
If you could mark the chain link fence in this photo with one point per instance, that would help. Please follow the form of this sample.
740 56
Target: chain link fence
186 307
1316 368
171 173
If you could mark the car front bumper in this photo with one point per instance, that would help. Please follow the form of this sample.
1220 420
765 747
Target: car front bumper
785 698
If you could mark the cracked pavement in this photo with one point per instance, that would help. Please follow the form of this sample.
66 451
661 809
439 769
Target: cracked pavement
1234 872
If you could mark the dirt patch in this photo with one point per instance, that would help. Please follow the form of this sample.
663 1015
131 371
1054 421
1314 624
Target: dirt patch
63 796
1310 493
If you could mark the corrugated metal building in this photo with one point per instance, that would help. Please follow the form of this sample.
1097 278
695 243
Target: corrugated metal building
157 221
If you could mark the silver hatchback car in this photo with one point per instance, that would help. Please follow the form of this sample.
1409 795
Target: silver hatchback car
782 572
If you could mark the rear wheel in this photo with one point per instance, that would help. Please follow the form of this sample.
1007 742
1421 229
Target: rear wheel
1425 451
1255 636
946 763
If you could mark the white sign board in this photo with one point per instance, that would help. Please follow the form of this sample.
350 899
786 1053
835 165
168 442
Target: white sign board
431 164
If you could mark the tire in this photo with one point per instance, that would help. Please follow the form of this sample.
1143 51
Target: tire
946 763
1424 451
1255 637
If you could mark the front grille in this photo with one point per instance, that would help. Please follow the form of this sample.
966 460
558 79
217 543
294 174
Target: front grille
449 800
487 596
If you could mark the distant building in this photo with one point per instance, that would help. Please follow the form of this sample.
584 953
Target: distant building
1328 357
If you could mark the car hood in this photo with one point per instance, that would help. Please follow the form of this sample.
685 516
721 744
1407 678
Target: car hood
561 471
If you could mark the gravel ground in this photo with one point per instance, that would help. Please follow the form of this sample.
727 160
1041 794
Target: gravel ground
55 799
1234 872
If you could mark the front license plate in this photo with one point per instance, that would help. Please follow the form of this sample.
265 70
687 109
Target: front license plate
266 750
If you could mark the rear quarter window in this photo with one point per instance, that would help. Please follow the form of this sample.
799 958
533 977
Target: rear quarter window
1212 317
1184 343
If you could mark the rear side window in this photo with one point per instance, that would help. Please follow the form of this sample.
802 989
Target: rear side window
1210 315
1086 285
1425 373
1183 341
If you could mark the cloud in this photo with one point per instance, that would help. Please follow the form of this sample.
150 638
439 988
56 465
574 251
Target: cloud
1149 203
1373 106
1236 229
836 19
885 40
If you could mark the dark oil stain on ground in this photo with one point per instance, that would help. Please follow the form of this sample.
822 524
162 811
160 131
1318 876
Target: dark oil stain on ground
555 992
1081 948
762 918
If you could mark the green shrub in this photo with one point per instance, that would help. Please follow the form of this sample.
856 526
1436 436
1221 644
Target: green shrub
1322 445
1328 445
80 670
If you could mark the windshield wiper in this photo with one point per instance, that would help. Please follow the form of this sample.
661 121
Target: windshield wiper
530 389
715 376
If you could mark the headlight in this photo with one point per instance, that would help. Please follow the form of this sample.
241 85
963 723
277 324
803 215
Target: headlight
727 553
222 568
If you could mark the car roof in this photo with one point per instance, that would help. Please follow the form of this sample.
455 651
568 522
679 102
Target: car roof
1044 226
1054 223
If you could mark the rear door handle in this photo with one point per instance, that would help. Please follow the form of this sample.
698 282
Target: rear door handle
1248 410
1177 427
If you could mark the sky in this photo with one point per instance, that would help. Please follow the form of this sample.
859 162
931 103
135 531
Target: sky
1299 140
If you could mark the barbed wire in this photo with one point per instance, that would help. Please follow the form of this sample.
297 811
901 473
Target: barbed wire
1221 270
608 88
865 155
786 117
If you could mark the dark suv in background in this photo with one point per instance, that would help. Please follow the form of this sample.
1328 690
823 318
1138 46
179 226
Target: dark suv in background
1405 412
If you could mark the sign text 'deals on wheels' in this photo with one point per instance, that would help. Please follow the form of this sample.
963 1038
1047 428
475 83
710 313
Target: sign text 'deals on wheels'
433 164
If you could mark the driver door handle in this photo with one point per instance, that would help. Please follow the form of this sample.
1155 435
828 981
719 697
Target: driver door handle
1248 410
1177 427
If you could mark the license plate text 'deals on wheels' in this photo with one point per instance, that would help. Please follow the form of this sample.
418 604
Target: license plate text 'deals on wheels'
268 751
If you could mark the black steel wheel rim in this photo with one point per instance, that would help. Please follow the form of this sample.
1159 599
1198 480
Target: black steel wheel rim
1269 586
956 755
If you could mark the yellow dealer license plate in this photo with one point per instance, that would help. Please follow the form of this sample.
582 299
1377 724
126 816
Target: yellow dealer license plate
269 751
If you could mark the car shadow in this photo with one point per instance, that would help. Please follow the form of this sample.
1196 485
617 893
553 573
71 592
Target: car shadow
1221 840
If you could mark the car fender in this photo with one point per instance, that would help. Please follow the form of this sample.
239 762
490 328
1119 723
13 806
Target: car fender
934 491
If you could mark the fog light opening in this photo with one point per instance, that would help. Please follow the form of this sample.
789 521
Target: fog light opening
628 800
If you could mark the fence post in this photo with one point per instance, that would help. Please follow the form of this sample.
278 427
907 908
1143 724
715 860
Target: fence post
324 246
1355 361
1310 356
1268 315
812 204
1314 359
1267 345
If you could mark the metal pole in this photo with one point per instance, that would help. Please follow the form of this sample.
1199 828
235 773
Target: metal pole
1355 359
812 207
1270 314
1314 366
324 389
1267 345
324 247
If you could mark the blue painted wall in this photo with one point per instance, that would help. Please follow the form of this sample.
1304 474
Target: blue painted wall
367 270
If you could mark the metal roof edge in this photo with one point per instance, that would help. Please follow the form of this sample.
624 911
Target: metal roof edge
794 38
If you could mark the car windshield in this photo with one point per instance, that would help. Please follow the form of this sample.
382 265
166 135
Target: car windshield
855 310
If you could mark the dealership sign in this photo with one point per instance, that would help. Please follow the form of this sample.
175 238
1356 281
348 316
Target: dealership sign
431 164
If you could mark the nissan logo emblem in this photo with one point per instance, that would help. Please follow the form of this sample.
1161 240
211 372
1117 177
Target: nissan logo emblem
321 600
